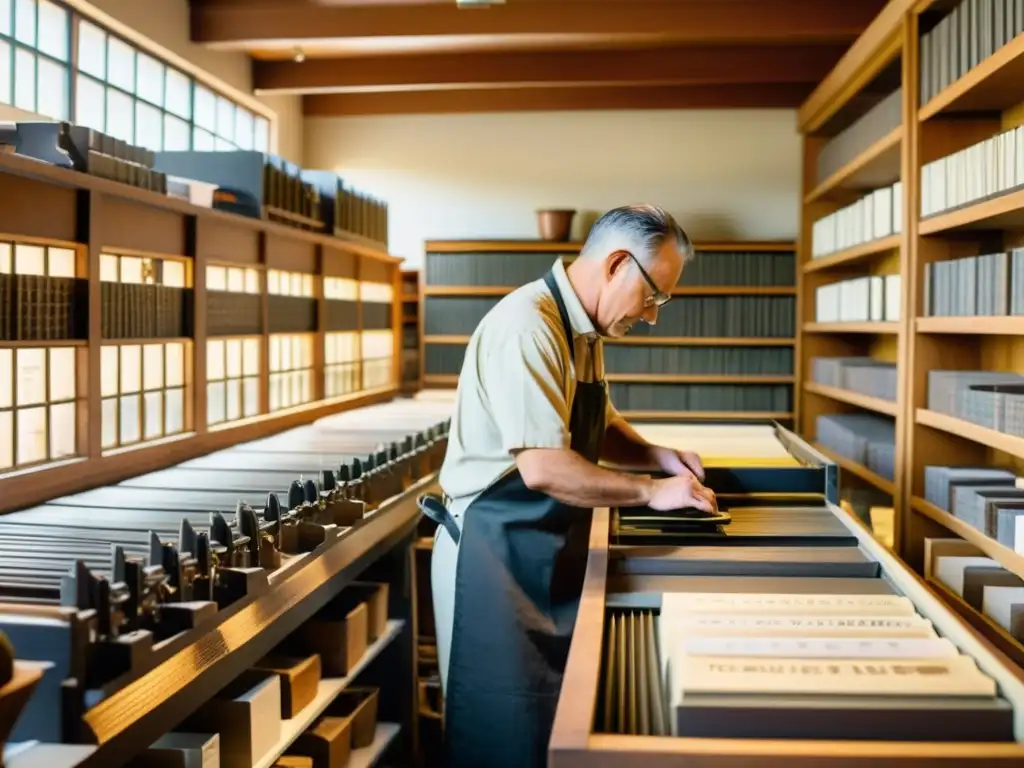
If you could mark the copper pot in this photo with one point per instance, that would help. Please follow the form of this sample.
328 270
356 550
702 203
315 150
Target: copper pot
555 225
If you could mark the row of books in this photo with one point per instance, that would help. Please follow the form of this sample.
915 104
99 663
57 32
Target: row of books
990 399
738 268
883 118
774 398
701 316
971 32
876 215
986 586
863 375
865 438
446 360
990 285
987 168
875 298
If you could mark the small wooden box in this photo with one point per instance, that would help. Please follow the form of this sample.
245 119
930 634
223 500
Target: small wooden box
300 679
376 598
247 715
340 641
328 742
294 761
360 705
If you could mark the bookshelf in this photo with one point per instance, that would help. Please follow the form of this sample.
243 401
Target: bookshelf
138 330
410 302
722 349
958 341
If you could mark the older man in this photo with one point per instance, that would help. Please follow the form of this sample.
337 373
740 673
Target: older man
521 476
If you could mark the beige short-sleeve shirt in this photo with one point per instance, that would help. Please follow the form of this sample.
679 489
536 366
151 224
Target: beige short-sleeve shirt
517 385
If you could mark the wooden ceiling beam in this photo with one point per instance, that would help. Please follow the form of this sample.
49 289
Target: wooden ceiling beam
233 24
696 65
786 95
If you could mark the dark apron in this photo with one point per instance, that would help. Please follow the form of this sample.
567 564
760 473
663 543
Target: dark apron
521 561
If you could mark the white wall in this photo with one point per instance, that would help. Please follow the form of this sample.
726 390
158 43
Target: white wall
726 174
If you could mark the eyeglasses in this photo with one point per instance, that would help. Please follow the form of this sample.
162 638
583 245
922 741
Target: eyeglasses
658 297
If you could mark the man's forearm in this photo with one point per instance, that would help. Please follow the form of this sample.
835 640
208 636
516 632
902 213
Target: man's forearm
624 446
566 476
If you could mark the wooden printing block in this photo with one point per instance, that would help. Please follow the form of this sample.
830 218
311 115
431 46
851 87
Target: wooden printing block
293 761
25 676
338 638
300 679
246 714
328 742
360 706
376 598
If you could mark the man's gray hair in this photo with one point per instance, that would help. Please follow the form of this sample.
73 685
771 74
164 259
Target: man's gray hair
639 229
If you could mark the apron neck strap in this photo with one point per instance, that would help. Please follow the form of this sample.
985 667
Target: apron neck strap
549 279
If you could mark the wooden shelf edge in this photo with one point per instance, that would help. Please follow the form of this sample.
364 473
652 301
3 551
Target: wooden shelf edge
879 328
976 213
544 246
681 341
704 341
859 163
852 255
1008 325
876 404
697 378
968 431
682 290
709 415
859 470
1005 556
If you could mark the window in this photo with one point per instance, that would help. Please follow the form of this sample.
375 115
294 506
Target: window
289 283
37 405
232 375
143 391
233 279
115 268
291 369
341 363
378 358
341 289
116 88
35 38
376 293
24 259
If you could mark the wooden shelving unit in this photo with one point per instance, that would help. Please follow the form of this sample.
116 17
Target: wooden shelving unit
458 271
948 214
868 75
412 367
177 330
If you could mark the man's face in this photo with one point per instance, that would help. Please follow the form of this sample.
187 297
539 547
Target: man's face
633 292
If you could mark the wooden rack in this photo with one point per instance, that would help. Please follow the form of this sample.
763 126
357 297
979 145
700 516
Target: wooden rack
433 286
983 101
96 223
412 364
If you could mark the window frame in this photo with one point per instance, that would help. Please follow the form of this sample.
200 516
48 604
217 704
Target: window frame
260 123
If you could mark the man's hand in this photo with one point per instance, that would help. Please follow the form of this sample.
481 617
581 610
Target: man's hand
681 492
678 462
